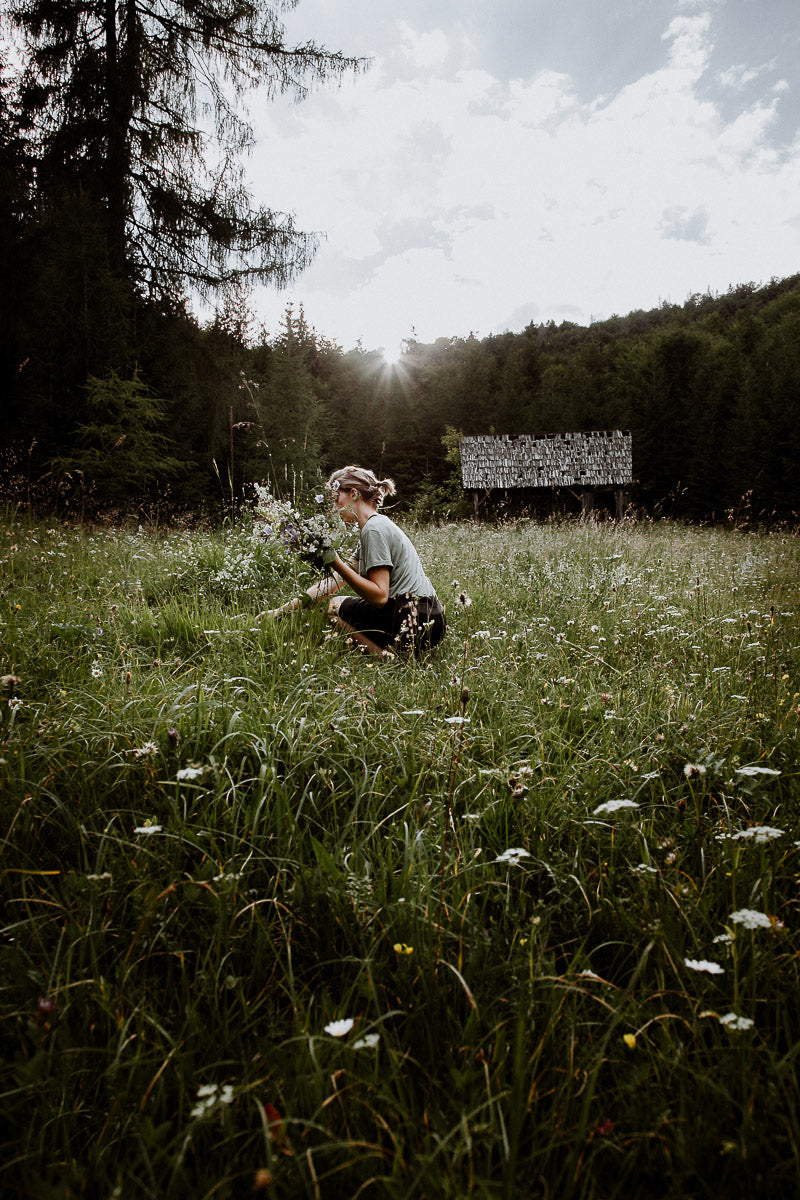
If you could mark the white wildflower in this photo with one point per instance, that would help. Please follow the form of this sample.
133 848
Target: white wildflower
148 750
758 834
97 671
210 1096
340 1028
702 964
611 806
368 1042
736 1023
693 770
187 774
751 919
513 855
14 703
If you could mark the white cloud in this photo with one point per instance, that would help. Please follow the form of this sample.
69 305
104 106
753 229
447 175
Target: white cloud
740 76
425 50
679 223
454 201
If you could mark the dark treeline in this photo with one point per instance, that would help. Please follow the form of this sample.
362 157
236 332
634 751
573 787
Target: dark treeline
114 210
710 391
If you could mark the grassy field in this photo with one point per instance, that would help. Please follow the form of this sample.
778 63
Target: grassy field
518 920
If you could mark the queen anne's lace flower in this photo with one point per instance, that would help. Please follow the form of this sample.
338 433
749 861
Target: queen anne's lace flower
702 964
210 1096
188 774
736 1023
513 855
751 919
611 806
368 1042
758 834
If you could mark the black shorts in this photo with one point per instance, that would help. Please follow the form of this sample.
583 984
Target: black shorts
406 622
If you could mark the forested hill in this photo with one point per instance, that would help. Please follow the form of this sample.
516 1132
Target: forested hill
123 135
709 389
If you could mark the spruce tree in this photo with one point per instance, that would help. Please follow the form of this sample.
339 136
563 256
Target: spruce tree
137 103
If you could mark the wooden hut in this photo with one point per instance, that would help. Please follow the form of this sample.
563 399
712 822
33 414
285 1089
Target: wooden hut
585 463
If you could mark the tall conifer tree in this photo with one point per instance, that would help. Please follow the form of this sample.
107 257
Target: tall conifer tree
137 102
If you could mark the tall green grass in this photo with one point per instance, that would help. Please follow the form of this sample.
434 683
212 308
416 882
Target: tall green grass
220 839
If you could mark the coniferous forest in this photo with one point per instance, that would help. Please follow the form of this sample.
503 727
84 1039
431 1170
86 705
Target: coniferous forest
117 209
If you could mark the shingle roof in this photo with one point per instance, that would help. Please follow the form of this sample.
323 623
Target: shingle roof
600 458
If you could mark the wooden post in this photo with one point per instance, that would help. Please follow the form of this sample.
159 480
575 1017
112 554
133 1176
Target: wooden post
475 504
587 503
619 495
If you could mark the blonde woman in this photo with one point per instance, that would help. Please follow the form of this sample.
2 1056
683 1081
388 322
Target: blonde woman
395 602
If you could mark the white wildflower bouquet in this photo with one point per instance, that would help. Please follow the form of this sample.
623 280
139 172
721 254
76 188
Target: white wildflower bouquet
315 537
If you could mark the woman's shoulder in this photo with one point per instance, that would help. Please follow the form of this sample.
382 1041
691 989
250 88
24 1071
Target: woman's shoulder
380 523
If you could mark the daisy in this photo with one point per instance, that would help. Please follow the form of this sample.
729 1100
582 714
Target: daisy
340 1028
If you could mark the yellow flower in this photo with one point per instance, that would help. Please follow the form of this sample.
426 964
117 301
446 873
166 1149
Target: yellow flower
630 1040
402 948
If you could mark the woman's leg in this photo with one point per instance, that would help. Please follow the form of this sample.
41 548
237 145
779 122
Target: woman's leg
355 635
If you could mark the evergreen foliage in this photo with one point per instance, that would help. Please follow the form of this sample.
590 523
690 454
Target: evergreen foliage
136 104
123 452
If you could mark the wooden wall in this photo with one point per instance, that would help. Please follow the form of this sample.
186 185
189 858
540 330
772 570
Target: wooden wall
601 458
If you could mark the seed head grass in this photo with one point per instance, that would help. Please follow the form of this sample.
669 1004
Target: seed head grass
518 918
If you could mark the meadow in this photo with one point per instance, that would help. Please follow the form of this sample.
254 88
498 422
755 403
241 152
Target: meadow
516 920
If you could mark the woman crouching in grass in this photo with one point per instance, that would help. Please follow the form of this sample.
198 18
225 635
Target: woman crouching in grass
395 604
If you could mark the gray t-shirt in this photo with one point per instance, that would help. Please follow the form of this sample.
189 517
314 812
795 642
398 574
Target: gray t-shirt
381 543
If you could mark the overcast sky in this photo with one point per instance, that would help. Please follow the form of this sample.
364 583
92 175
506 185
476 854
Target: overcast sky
509 161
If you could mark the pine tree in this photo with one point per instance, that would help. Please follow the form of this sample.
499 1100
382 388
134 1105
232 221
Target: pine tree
118 91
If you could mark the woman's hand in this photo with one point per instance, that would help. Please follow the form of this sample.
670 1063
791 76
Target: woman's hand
272 614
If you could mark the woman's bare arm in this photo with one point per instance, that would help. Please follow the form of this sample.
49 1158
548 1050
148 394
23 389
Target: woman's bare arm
326 587
374 589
